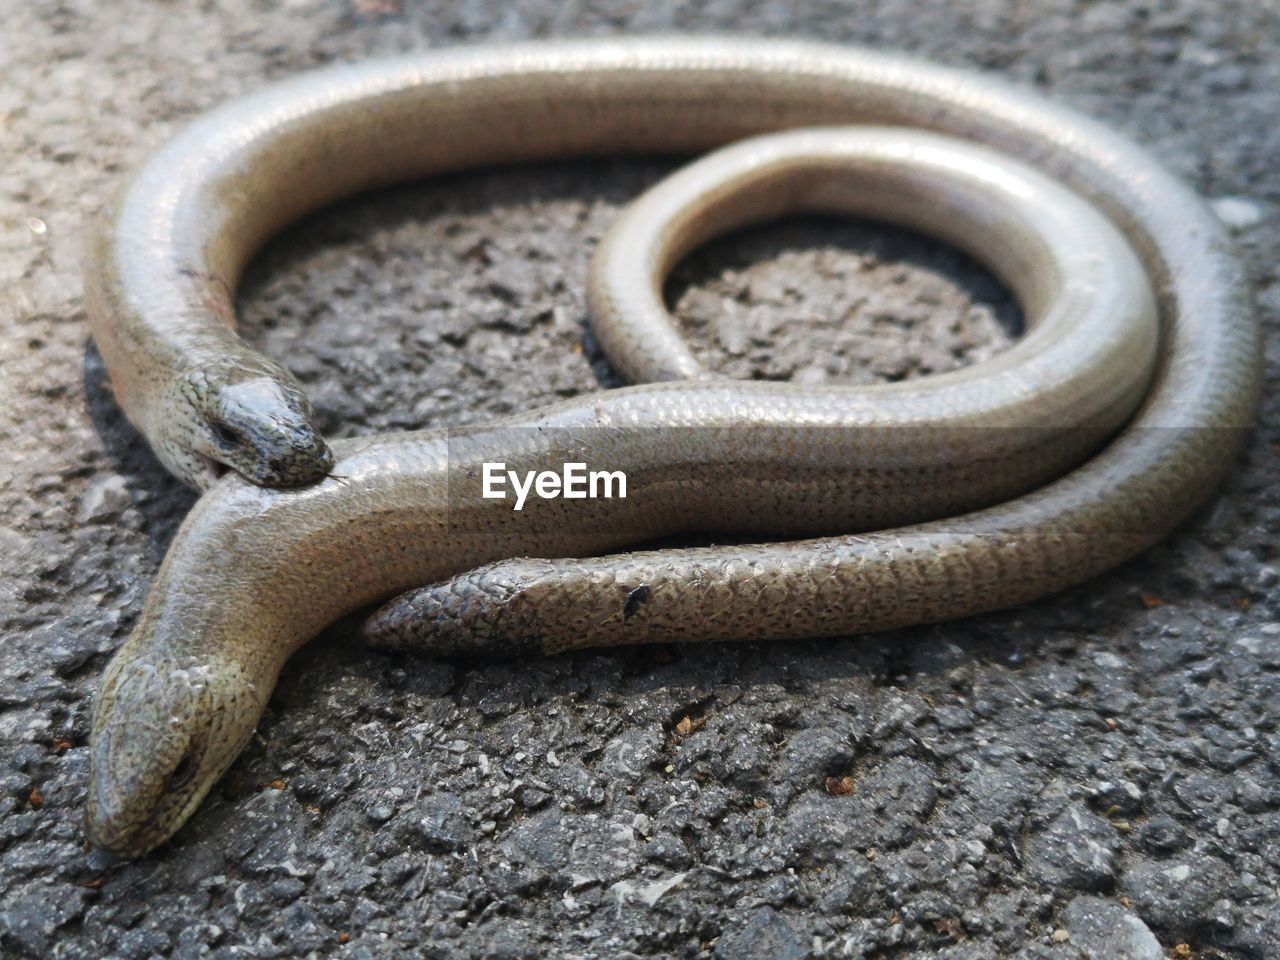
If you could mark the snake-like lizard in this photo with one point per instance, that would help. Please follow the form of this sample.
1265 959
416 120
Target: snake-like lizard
966 470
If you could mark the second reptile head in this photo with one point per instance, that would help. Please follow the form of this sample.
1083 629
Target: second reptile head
245 414
164 732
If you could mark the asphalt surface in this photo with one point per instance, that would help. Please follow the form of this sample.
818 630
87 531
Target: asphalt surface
1096 775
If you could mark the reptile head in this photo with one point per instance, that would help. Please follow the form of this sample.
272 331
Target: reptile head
163 735
247 415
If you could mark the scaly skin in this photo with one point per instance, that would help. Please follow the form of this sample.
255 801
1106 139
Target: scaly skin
756 459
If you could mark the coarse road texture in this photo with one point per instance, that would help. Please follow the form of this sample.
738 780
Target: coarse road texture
1096 775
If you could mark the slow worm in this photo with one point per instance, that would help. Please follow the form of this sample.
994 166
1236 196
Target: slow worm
971 471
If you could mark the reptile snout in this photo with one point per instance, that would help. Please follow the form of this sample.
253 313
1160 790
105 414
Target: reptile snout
302 463
108 822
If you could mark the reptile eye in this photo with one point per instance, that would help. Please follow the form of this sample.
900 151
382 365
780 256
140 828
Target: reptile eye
182 772
227 435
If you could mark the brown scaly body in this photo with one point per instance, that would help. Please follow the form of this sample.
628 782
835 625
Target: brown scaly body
255 572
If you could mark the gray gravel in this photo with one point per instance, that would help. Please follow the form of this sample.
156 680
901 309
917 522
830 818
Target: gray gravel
1096 775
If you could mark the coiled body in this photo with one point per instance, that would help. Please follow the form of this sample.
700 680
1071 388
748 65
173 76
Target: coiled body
185 691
